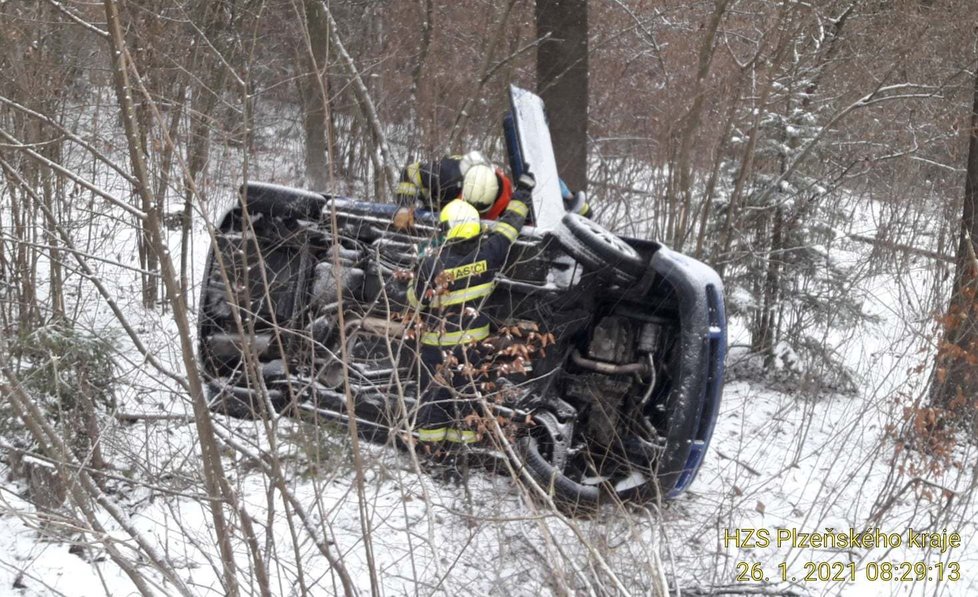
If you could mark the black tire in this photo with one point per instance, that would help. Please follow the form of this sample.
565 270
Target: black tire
236 407
243 403
542 448
598 249
280 201
568 495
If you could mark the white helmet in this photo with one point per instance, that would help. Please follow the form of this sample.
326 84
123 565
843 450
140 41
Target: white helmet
480 187
471 159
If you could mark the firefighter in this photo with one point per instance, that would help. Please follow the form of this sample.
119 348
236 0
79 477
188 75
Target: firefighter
433 184
449 289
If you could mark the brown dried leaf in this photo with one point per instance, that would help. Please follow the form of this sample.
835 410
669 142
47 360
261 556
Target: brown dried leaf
403 275
404 218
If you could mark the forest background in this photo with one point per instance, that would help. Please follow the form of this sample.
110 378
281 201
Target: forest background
805 150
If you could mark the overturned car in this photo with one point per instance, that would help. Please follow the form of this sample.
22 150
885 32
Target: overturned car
610 350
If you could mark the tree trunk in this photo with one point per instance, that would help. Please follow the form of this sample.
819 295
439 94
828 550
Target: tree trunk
420 83
379 150
682 187
763 336
311 60
215 483
56 283
204 99
562 80
956 374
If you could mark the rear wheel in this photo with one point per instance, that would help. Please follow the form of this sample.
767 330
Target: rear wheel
252 293
281 202
240 403
598 249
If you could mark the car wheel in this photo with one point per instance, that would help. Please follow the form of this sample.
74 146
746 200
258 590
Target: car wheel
236 405
538 449
598 249
280 201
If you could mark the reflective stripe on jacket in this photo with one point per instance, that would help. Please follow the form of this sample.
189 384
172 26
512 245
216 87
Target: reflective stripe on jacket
453 282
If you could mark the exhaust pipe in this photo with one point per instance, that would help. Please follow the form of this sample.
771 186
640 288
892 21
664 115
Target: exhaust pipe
641 368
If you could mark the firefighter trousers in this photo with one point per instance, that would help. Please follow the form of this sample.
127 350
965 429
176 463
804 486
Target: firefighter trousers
448 384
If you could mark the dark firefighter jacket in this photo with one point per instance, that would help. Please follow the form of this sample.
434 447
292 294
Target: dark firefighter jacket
435 183
453 282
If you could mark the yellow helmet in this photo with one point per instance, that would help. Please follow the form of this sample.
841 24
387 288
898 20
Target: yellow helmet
459 220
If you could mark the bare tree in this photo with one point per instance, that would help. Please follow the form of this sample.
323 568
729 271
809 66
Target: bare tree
313 86
956 375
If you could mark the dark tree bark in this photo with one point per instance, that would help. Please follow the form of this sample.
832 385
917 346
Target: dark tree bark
956 374
965 275
313 90
562 80
765 335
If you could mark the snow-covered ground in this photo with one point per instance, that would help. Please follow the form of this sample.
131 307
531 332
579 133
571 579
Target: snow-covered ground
779 463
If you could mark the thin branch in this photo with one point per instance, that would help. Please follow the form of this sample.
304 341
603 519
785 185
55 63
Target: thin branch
64 10
385 162
26 148
69 246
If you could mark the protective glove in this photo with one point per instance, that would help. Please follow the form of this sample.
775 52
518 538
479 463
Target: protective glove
526 182
404 219
577 204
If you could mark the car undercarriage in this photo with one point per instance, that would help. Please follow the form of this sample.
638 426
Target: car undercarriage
605 367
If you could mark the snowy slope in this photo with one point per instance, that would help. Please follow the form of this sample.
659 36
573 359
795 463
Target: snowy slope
778 461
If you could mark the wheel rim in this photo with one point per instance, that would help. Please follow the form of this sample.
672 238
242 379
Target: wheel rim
610 239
